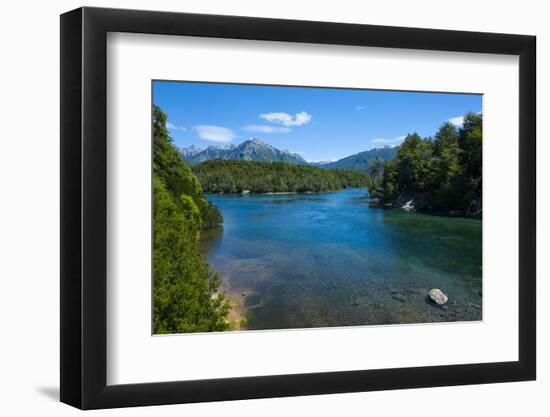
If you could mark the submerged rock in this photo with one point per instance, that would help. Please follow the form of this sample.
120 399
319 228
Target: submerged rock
437 296
398 295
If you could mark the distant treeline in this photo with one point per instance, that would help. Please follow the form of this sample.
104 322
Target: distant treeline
440 174
185 289
233 176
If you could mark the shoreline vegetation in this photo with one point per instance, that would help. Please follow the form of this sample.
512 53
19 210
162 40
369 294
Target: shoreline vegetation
186 295
254 177
439 175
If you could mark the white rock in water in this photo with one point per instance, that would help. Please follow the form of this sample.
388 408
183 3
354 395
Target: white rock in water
408 206
437 296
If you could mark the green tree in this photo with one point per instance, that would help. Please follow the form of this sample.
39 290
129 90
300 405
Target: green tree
443 174
390 186
446 167
186 296
376 167
412 163
470 143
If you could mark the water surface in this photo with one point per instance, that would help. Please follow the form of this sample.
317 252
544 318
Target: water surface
317 260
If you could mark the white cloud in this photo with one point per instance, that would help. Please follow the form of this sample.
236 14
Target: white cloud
214 133
457 121
171 126
395 140
266 129
286 119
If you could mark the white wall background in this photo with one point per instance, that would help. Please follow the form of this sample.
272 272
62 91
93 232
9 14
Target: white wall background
29 219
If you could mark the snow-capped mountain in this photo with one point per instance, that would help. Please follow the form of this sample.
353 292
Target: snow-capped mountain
250 150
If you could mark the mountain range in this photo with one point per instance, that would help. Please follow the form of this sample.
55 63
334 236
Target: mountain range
256 150
250 150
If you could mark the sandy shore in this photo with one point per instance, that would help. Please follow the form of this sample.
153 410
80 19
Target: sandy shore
237 314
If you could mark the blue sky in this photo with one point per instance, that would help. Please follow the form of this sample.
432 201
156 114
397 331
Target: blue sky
320 124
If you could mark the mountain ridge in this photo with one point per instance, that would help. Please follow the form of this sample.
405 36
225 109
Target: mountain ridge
361 161
256 150
250 150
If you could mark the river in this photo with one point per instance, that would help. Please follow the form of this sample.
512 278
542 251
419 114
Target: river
320 260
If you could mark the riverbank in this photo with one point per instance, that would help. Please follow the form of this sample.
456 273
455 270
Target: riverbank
248 192
421 203
237 314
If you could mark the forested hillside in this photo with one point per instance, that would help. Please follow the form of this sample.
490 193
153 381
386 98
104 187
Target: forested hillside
365 161
185 289
263 177
442 174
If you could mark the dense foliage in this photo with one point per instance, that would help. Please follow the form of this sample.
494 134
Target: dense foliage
263 177
185 289
441 174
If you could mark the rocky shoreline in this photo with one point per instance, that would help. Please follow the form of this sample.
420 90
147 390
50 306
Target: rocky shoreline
420 203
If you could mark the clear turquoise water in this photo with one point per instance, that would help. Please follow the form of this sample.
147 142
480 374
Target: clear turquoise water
318 260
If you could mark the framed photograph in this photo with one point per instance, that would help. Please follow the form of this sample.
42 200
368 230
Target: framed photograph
257 208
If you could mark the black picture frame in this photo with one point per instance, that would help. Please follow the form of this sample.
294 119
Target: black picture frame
84 207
